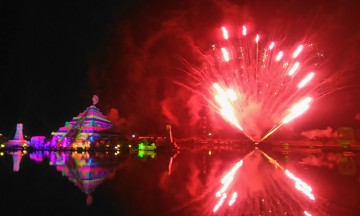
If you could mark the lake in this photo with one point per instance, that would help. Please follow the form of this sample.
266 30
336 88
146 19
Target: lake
201 180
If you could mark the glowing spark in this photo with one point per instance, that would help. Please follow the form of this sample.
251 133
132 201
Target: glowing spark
307 213
225 33
306 80
297 51
233 199
219 204
226 181
226 108
279 56
230 175
294 68
231 95
225 54
300 185
244 30
257 38
297 110
272 44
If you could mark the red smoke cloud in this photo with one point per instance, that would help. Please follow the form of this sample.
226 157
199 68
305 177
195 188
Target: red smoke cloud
328 133
143 56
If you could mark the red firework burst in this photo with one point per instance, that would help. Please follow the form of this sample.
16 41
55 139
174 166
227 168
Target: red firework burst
258 84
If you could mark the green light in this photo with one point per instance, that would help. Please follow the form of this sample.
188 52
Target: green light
151 147
141 154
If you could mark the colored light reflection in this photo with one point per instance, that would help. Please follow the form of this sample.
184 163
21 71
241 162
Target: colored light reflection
226 181
262 187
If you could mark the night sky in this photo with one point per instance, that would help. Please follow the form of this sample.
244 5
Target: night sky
54 56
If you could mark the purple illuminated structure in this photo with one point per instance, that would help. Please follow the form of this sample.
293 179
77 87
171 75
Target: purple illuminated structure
18 141
89 129
37 141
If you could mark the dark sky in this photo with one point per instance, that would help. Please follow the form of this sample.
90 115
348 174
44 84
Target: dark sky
55 55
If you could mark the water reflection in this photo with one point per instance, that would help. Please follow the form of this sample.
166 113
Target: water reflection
347 164
87 170
344 161
198 181
257 184
145 154
275 190
17 155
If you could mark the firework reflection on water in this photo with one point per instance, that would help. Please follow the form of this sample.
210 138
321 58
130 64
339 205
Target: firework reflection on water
259 185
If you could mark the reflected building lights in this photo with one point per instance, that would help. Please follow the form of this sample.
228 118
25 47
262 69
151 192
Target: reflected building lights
86 170
17 156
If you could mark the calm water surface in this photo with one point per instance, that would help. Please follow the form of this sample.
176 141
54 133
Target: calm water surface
271 181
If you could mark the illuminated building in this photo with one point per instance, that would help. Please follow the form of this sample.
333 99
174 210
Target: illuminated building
90 129
18 141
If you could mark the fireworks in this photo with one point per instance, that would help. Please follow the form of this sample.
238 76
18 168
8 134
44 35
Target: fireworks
258 84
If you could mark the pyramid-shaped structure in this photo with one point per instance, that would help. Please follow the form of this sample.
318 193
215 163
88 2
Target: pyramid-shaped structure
84 173
90 121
